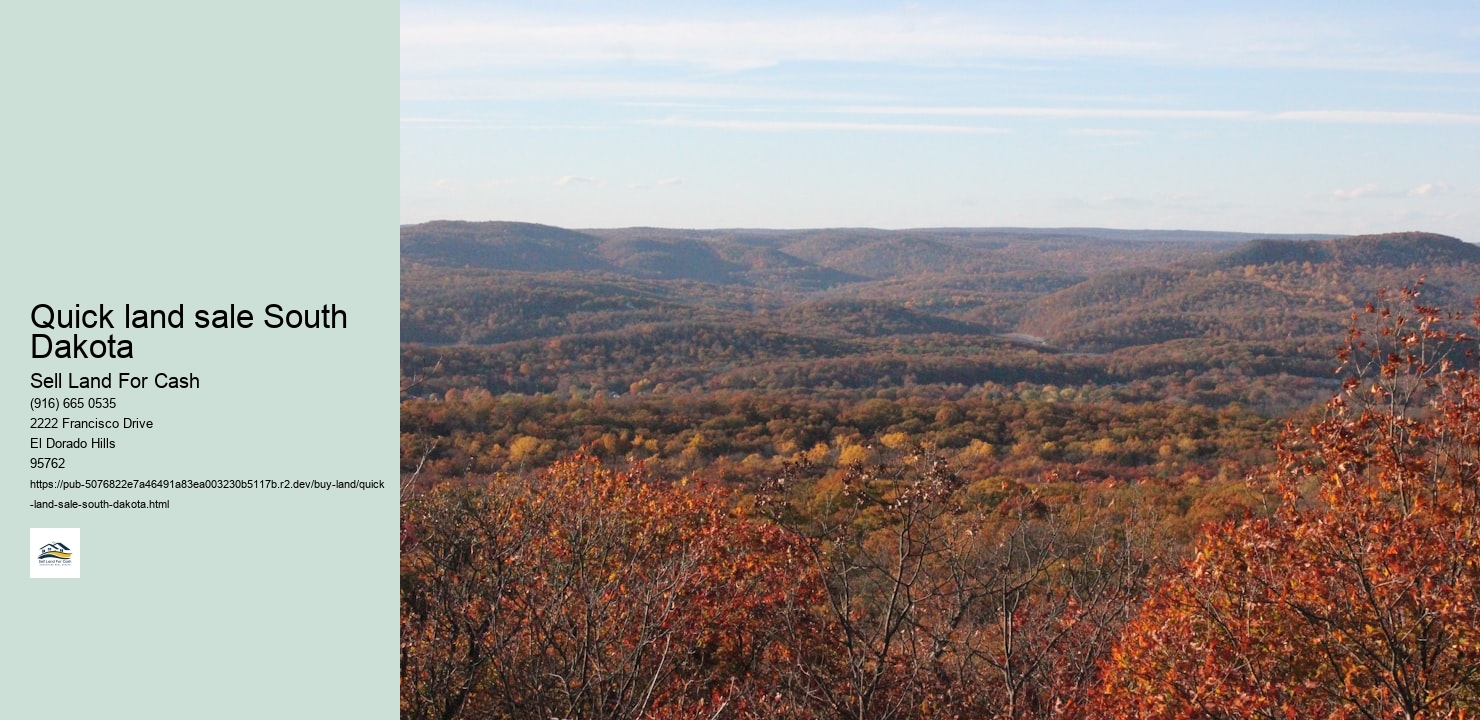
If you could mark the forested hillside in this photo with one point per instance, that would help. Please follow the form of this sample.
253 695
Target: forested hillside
949 473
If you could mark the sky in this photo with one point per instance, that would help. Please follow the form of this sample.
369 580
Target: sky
1280 117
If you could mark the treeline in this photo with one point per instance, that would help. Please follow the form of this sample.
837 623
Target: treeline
687 358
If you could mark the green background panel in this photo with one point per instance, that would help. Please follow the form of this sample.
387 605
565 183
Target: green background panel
161 153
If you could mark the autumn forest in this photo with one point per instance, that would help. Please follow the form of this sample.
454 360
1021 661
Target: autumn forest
949 473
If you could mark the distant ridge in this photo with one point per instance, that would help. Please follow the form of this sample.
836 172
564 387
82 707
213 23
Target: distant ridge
1266 287
821 258
649 253
803 260
1162 235
1399 249
499 245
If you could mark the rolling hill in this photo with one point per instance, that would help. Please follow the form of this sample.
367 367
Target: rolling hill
523 307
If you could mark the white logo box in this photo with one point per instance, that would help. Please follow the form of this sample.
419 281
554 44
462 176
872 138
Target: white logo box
55 552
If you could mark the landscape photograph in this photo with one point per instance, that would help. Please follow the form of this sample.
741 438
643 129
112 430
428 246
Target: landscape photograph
940 360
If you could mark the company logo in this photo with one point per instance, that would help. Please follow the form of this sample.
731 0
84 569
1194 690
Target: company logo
56 551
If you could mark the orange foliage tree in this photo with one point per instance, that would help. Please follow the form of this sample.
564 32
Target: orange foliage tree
591 593
937 608
1360 597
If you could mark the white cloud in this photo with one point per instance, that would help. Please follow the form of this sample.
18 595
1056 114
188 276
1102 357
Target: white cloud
501 86
569 180
1380 117
1429 189
669 182
1054 112
1361 191
1370 117
1106 132
431 123
1373 190
803 125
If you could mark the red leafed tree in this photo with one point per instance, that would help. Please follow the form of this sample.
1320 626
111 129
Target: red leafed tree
591 593
1360 597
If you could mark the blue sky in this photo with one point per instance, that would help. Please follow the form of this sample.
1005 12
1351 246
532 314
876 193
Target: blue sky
1266 117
